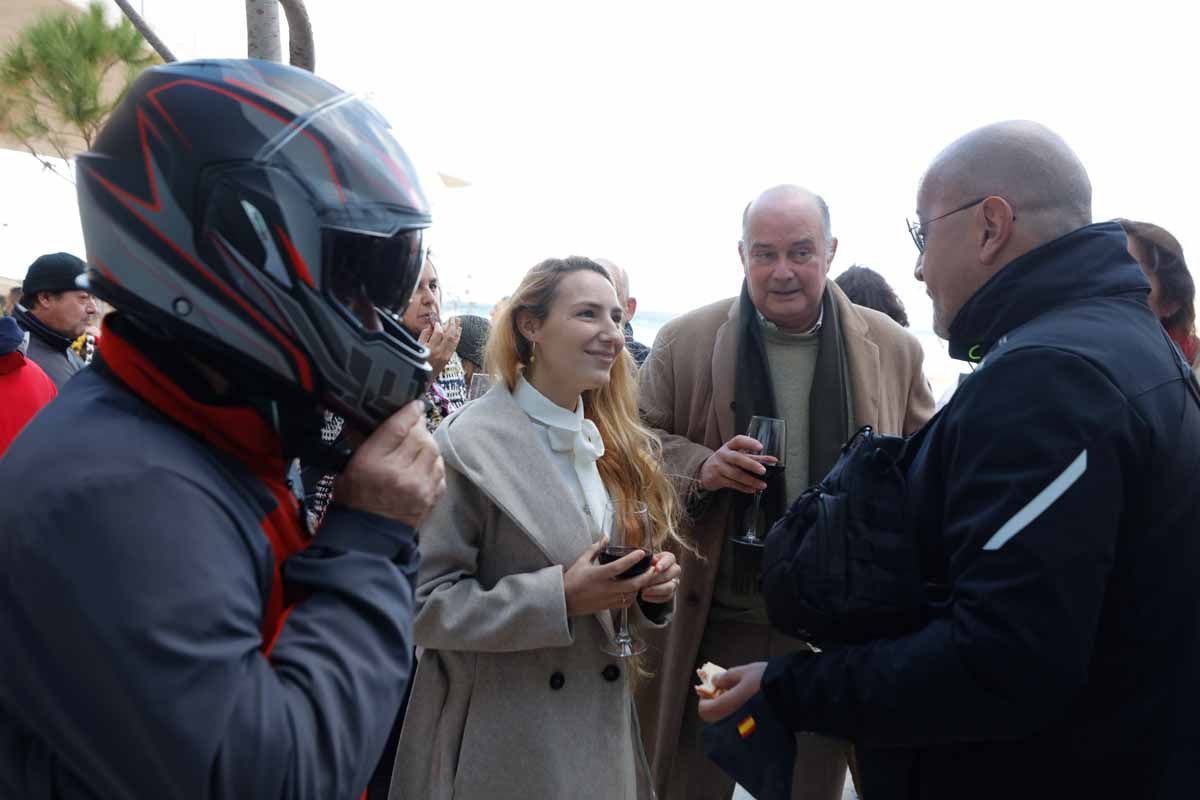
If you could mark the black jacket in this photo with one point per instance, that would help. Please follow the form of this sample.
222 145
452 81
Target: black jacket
1056 496
49 349
638 351
134 571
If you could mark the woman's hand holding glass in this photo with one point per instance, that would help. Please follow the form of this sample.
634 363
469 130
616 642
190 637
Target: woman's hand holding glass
666 572
441 341
591 587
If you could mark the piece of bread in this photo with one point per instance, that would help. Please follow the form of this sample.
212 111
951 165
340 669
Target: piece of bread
707 674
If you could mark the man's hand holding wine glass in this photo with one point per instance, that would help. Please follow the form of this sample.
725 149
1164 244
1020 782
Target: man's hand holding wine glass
735 466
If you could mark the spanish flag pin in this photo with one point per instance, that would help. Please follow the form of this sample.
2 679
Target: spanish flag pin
746 727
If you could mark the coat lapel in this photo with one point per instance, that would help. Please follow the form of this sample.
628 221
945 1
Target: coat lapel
863 357
724 374
501 453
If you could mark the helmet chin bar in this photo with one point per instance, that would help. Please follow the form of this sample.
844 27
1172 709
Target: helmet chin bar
380 381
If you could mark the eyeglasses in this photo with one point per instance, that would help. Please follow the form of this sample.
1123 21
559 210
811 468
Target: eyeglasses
917 229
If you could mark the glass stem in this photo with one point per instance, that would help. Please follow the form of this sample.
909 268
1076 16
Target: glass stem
623 634
752 531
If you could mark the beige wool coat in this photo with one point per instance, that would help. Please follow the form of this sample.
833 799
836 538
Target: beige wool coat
511 698
687 394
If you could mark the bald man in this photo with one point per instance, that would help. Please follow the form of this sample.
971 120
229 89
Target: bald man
620 278
791 346
1054 498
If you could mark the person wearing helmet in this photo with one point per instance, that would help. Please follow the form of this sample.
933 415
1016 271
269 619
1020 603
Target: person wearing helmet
169 627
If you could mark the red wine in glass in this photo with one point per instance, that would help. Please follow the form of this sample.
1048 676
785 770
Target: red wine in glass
614 553
774 472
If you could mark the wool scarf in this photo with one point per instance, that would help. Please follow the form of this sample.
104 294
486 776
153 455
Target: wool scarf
754 395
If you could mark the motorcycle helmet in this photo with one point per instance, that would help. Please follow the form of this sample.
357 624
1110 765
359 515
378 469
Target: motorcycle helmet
267 222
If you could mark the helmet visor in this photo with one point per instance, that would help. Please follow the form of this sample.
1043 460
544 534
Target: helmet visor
372 275
342 151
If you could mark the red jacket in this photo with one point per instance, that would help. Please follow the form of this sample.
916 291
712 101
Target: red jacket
24 389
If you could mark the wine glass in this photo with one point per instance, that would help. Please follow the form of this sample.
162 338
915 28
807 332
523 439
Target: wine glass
771 433
480 383
628 529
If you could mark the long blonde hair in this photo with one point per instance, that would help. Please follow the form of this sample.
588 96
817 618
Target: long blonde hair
632 464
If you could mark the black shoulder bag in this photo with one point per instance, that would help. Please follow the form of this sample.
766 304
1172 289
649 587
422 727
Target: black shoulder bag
843 566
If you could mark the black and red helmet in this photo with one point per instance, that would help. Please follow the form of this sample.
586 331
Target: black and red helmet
260 216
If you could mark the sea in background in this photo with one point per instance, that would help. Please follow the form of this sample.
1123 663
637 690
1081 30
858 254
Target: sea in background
941 370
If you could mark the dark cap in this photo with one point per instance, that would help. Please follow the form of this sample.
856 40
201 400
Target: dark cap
54 272
472 343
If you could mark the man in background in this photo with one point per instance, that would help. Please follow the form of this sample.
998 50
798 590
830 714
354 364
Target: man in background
620 279
56 312
791 346
11 301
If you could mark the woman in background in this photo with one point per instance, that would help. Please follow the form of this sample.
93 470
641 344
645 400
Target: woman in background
423 320
1172 290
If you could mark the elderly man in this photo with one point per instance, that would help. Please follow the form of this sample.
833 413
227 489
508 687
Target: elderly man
1054 497
620 279
56 312
792 346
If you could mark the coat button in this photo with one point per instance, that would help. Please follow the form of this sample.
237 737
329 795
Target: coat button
557 680
611 673
693 599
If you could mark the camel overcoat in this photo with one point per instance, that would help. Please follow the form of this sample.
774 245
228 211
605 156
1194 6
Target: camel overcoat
511 699
687 396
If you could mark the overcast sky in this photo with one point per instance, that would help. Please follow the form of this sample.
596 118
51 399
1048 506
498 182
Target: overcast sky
639 130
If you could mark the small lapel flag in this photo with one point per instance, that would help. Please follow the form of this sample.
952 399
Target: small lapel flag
746 727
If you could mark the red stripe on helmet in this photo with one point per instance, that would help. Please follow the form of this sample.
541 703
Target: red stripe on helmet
302 366
297 260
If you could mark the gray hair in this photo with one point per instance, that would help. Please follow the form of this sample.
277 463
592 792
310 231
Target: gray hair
791 190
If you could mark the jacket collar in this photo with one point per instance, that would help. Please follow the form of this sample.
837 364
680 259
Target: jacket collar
862 355
493 443
36 327
235 430
1086 263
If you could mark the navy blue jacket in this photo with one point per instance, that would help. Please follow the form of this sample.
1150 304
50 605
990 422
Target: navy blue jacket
1056 497
134 571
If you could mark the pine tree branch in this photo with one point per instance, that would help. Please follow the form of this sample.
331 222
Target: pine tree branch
41 160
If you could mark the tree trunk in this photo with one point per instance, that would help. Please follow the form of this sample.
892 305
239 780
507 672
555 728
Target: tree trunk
262 29
301 50
146 31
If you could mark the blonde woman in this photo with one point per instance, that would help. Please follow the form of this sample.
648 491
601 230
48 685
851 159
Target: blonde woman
514 696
